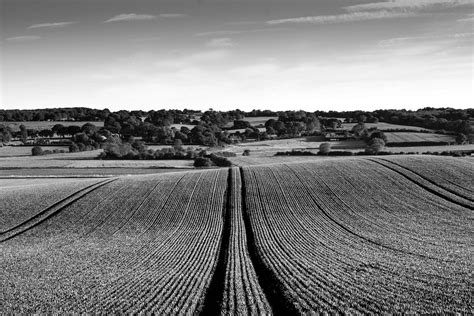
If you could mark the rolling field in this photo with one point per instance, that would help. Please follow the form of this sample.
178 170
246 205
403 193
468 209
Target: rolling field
342 235
418 137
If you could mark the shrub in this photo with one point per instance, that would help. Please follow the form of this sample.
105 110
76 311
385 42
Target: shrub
225 154
340 153
202 162
324 148
246 152
37 151
220 161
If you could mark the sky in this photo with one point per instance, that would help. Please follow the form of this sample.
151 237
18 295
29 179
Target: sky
246 54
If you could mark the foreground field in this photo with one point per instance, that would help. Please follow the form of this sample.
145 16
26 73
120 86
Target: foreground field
356 235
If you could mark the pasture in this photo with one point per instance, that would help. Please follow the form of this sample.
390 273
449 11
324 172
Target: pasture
418 137
365 235
385 126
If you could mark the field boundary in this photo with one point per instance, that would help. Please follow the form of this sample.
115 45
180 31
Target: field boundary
50 211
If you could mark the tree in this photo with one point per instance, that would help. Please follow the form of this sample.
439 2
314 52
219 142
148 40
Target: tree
324 148
375 146
378 134
360 130
5 134
23 134
202 162
461 139
178 144
37 151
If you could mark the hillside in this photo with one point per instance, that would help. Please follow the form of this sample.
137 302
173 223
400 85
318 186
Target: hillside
355 235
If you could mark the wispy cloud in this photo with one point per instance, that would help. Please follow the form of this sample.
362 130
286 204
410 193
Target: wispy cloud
173 15
407 4
223 32
220 42
147 39
469 18
346 17
234 32
51 25
130 17
23 38
409 39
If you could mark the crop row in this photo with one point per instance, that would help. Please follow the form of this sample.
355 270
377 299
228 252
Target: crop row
144 245
345 237
25 199
453 174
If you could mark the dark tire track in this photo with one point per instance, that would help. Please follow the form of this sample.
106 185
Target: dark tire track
212 304
50 211
426 187
429 180
349 231
269 282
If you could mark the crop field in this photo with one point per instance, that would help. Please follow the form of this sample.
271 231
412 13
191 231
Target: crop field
337 235
418 137
385 126
18 151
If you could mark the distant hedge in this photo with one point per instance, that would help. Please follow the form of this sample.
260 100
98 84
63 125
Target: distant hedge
414 144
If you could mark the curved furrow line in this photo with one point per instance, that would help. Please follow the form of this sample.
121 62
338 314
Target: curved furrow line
471 199
143 255
438 191
358 209
41 213
387 268
271 284
370 241
156 262
343 276
51 211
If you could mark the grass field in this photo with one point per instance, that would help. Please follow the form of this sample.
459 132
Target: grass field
385 126
338 235
418 137
19 151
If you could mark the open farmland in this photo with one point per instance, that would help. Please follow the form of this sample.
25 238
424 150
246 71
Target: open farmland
351 235
418 137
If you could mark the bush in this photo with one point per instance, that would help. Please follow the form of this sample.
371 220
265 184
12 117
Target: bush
246 152
202 162
37 151
340 153
220 161
324 148
225 154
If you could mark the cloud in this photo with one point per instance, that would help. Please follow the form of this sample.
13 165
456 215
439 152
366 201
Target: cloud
224 32
220 42
50 25
234 32
407 4
173 15
130 17
469 18
23 38
346 17
402 40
